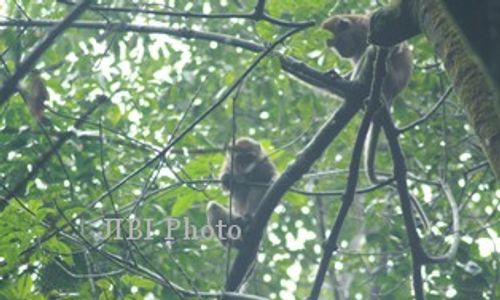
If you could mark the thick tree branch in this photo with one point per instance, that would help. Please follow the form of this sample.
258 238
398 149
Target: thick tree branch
348 197
293 172
10 85
471 79
394 24
418 255
478 21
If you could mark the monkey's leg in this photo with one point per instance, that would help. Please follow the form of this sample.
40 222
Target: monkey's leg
218 219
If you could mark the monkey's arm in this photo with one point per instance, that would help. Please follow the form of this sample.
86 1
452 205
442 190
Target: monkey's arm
225 179
230 181
263 172
334 75
218 218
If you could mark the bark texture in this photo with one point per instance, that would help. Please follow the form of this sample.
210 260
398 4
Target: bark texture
470 82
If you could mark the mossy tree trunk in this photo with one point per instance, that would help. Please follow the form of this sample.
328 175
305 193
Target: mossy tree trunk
471 81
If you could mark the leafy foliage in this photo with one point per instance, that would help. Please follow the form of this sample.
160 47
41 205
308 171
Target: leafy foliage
158 85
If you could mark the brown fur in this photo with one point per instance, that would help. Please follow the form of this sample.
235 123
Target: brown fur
350 33
251 167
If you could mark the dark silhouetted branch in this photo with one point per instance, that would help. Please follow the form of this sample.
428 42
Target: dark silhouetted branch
352 181
418 255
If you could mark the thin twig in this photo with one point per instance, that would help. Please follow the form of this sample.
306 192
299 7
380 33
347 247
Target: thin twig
257 15
429 113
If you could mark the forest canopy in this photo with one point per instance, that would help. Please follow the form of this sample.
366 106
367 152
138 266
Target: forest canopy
117 116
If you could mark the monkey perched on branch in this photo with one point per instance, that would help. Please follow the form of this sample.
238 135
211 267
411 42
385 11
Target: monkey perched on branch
350 40
246 174
36 94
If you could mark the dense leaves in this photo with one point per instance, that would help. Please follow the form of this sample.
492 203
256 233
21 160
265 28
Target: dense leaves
158 85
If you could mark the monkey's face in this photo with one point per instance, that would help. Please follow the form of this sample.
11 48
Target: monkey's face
340 40
243 160
246 153
349 35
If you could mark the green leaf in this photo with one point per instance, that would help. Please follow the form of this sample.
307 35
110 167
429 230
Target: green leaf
24 286
265 30
183 202
131 280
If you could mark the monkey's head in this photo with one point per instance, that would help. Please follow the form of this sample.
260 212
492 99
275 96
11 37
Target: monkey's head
349 34
246 152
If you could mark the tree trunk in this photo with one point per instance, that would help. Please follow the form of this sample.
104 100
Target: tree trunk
471 82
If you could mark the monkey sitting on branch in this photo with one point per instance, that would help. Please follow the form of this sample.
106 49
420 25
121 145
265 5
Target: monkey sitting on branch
350 40
246 174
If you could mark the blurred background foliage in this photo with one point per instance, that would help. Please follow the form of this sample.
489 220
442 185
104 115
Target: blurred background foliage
152 80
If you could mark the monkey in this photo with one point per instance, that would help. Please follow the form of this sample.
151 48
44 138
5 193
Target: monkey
350 40
246 174
36 94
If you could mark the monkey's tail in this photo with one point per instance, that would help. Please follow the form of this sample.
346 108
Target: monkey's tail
369 162
370 152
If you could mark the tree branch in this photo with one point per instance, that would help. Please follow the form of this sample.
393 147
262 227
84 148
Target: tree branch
471 80
348 197
418 255
257 15
429 113
338 86
394 24
293 172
